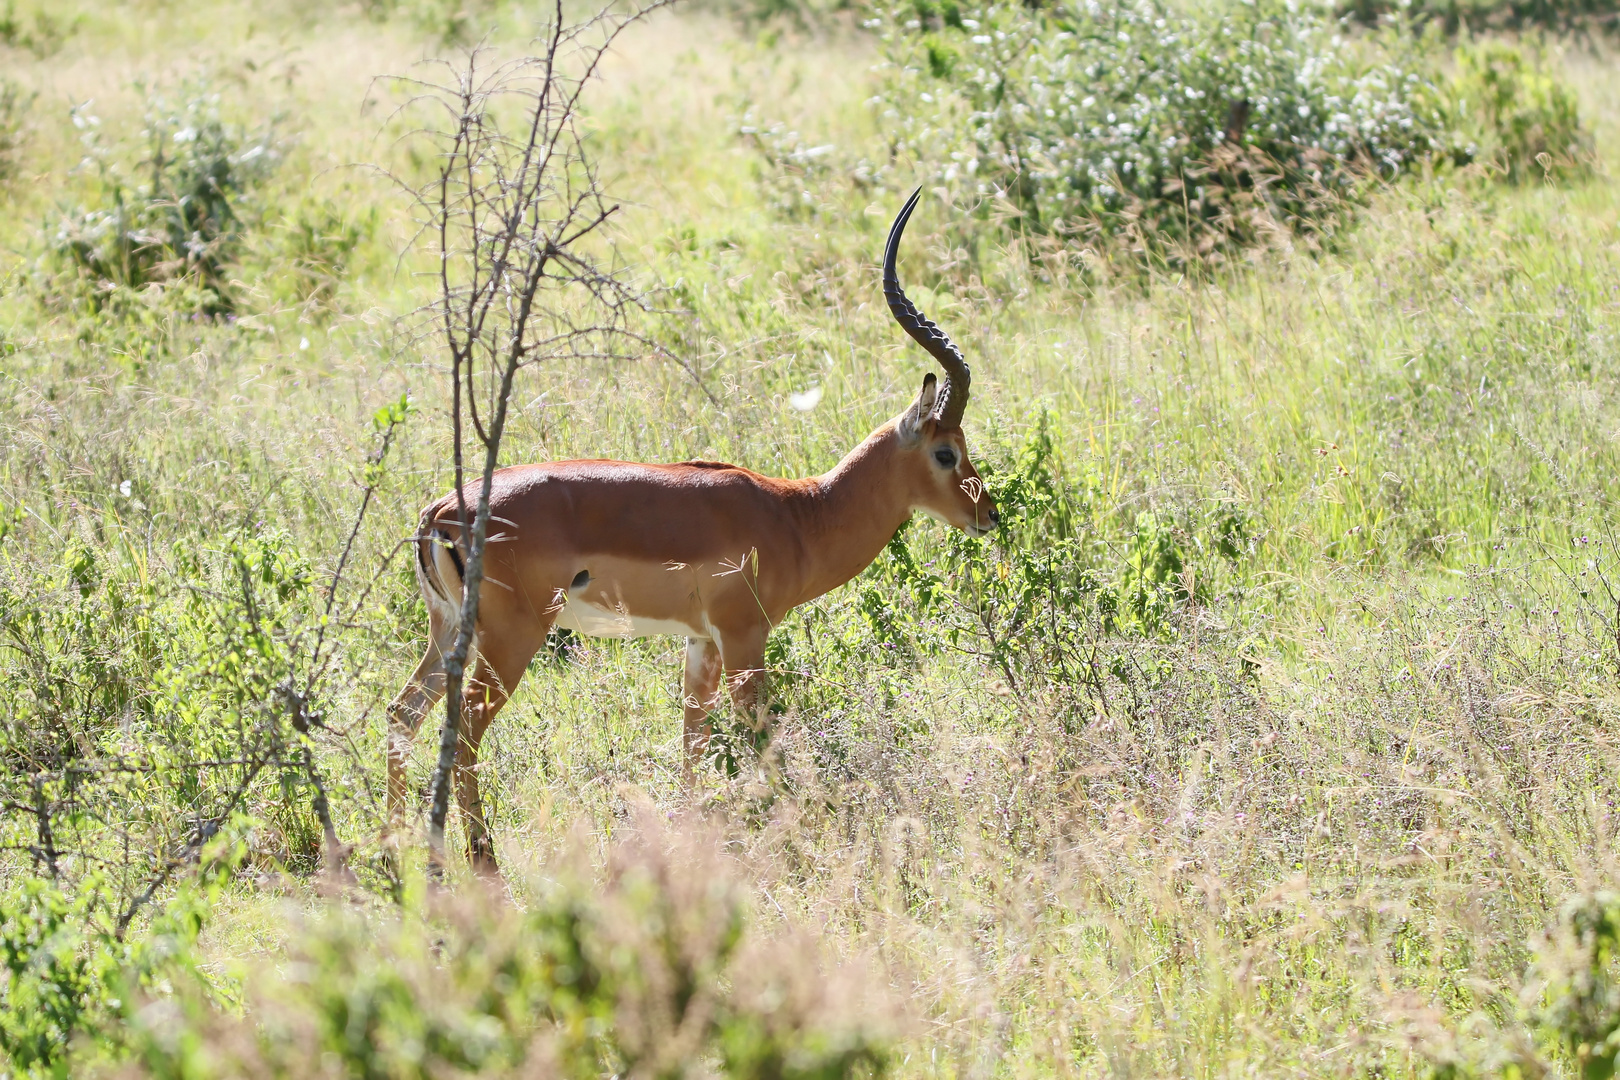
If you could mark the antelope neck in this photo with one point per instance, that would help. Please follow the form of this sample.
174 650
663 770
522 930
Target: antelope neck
849 513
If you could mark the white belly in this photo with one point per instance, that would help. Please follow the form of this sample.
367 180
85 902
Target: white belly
593 621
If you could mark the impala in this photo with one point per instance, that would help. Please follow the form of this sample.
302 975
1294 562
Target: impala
712 552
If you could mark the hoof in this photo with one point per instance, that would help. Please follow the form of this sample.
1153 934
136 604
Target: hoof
481 857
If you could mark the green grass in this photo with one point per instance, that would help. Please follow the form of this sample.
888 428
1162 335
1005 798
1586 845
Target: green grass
1307 823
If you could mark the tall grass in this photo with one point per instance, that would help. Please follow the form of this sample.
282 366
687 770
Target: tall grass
1265 741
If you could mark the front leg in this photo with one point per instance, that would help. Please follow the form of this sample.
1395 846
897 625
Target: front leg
702 694
744 657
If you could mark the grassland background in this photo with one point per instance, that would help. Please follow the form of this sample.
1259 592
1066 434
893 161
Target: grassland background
1376 750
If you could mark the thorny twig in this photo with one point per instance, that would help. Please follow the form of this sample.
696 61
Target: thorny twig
511 216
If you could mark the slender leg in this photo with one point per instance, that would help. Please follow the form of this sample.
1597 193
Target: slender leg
744 658
416 699
702 693
493 679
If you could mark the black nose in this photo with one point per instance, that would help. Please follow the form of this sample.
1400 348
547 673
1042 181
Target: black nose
995 516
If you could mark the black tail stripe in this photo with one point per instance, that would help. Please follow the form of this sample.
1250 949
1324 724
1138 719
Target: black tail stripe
422 542
455 556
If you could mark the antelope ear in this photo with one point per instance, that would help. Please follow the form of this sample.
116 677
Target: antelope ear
921 409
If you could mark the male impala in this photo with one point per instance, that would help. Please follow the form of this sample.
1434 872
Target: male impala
712 552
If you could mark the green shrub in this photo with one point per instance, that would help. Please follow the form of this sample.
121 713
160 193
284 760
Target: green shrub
657 972
1520 119
1570 1005
15 103
313 249
1154 134
1188 131
176 216
1074 595
59 974
155 707
68 974
1477 15
42 31
1582 968
445 22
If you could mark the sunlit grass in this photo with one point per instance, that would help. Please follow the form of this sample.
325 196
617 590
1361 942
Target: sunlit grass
1374 755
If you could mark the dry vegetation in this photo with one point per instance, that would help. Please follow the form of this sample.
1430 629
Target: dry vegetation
1272 736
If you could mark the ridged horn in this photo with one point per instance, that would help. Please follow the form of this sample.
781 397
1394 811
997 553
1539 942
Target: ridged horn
953 396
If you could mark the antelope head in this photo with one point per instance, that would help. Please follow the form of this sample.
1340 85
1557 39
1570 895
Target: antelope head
946 486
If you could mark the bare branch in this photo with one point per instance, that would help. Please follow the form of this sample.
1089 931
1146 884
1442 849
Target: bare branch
527 277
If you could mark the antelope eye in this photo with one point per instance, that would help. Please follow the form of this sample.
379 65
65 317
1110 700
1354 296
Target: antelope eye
946 457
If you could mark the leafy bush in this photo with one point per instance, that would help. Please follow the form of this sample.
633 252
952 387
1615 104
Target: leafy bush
60 970
1178 135
158 710
314 248
15 103
147 702
1191 131
447 22
42 32
1072 601
656 973
70 974
1520 119
175 217
1570 1005
1477 15
1581 967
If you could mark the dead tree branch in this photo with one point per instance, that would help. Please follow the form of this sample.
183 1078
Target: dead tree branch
526 277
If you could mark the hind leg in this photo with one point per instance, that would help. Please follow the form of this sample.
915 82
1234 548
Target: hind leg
500 665
416 699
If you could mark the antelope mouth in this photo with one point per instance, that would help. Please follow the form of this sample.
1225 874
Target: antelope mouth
984 522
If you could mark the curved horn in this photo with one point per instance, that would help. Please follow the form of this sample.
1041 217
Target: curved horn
953 395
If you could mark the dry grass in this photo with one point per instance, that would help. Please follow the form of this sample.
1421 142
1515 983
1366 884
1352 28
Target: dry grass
1306 827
